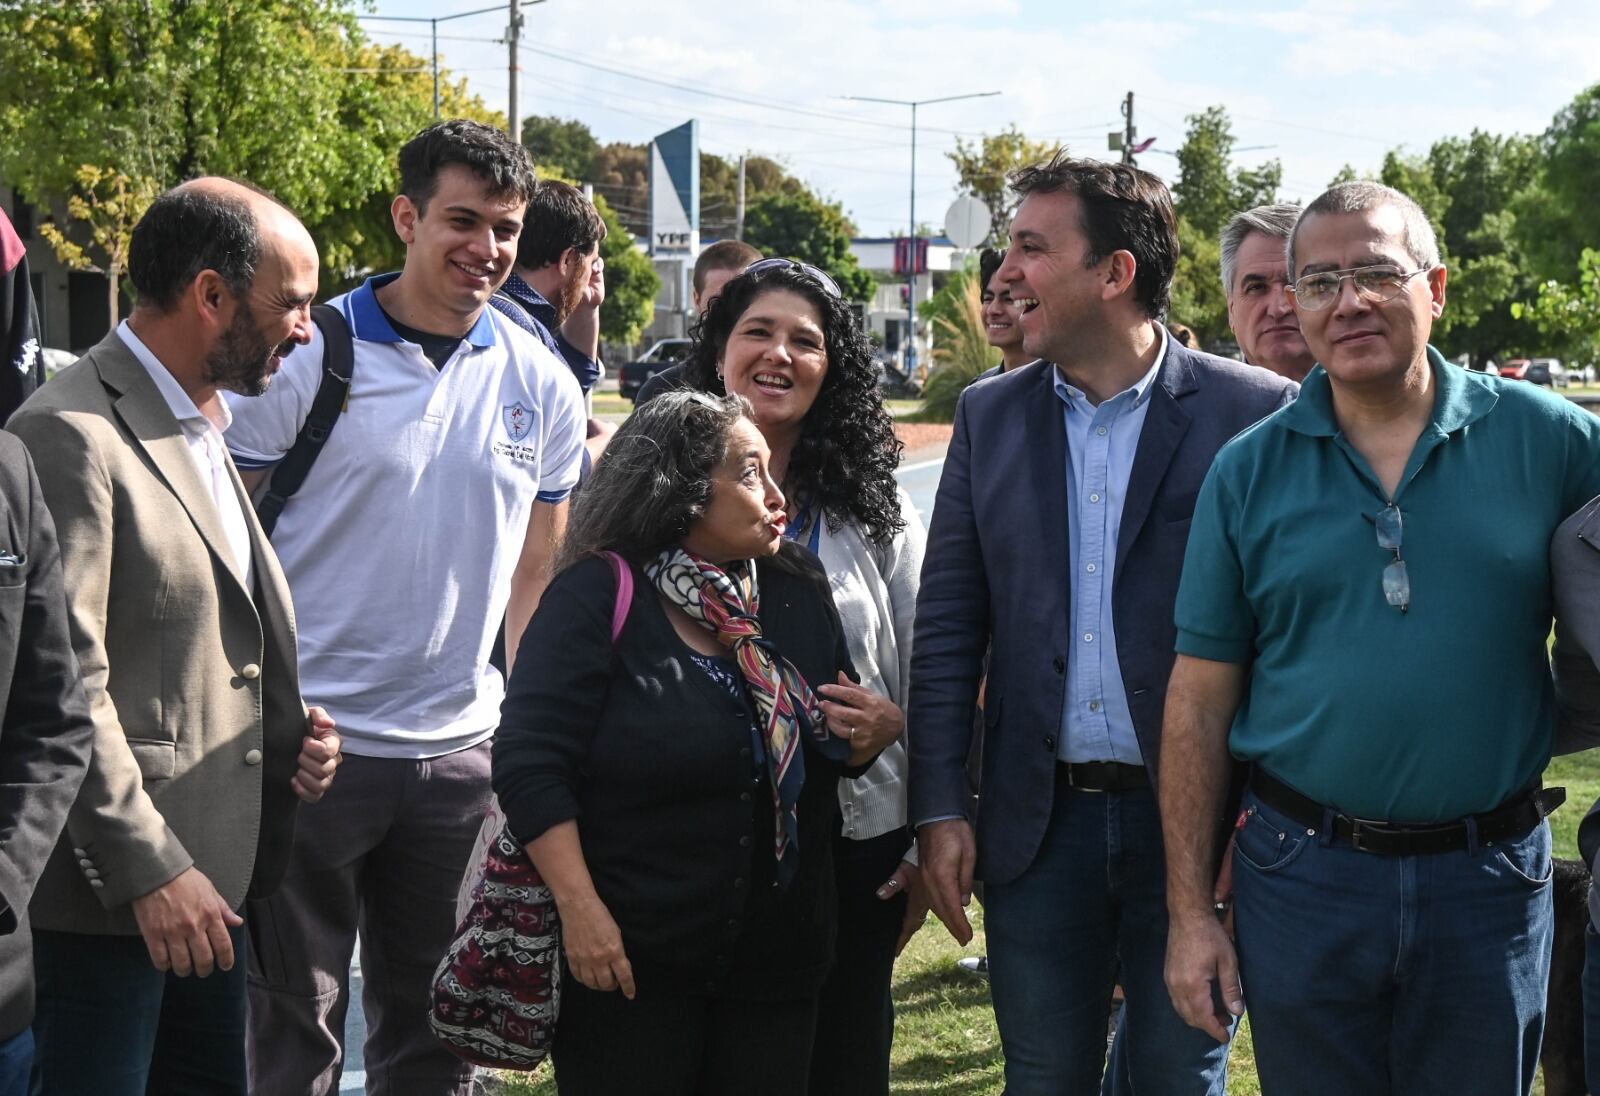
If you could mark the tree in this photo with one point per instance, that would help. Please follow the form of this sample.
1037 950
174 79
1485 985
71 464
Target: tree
631 281
288 95
110 203
984 167
1559 217
962 352
1347 174
803 226
1209 191
1569 314
566 146
1198 298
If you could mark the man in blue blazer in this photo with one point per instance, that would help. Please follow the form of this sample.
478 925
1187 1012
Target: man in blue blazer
1058 534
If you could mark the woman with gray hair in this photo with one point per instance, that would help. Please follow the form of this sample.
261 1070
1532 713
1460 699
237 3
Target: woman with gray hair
674 781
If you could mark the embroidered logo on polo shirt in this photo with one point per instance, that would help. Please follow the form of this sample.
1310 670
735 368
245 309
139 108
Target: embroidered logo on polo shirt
518 420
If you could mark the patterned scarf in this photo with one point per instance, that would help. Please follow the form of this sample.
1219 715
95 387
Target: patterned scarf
726 603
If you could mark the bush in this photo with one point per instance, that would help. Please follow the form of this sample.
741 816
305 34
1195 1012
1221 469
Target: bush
963 353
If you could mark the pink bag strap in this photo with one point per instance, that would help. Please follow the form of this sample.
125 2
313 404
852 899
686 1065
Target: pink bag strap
619 613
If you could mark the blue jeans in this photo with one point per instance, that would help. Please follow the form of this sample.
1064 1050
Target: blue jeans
109 1024
1391 974
16 1061
1591 1008
1093 899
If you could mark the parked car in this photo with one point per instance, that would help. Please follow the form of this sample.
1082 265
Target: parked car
1546 371
1512 369
631 377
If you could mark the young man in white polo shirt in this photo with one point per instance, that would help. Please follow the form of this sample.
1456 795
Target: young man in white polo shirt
430 513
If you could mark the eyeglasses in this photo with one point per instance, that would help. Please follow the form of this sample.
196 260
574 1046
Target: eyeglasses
1396 582
1373 283
819 276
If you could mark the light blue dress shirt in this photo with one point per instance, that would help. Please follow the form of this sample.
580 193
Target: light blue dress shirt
1096 724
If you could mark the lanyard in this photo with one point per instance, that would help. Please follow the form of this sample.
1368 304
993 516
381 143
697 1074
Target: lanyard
810 524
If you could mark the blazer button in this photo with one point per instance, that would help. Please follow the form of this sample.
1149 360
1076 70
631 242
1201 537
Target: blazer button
744 797
250 672
91 873
96 883
738 884
85 862
744 842
1059 665
1049 742
79 852
252 757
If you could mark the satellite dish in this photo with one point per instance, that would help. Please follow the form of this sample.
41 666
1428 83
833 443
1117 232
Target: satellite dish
967 222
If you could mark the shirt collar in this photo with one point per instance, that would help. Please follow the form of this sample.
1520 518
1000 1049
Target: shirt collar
191 418
1074 396
1459 398
518 289
369 323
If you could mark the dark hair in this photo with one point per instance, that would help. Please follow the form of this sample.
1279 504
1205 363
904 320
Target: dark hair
1183 335
558 217
723 255
186 231
845 458
488 153
655 479
989 260
1124 209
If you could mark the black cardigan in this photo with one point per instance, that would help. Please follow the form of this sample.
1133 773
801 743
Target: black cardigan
654 761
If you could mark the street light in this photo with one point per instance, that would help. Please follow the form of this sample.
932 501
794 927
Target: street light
911 257
433 23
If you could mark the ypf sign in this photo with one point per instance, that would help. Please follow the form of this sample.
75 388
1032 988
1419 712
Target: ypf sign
675 191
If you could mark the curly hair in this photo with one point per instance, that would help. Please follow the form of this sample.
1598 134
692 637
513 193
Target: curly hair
656 478
845 458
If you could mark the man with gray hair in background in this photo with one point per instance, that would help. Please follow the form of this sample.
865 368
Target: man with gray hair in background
1350 558
1255 277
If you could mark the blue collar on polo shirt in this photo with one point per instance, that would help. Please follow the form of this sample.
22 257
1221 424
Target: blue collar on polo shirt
369 324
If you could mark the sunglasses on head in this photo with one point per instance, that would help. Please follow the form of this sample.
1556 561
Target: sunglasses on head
821 277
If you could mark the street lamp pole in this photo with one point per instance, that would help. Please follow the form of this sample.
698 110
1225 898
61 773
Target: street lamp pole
911 236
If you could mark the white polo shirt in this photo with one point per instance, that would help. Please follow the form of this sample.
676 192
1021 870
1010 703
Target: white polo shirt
400 545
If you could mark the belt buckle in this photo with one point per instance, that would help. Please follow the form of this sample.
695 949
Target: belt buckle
1358 826
1072 782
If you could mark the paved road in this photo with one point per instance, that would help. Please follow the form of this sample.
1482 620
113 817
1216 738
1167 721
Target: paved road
920 479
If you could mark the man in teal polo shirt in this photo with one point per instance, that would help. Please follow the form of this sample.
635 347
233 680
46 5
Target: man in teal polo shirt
1363 615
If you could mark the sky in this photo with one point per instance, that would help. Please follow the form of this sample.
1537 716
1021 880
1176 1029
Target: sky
1313 84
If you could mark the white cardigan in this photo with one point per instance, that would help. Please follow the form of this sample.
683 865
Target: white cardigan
875 589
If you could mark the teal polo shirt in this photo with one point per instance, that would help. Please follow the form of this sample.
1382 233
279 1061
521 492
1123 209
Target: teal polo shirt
1423 716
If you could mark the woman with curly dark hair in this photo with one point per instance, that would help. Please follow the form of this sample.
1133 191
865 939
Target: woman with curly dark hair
782 336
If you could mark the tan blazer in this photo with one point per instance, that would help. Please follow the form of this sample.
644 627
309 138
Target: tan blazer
190 676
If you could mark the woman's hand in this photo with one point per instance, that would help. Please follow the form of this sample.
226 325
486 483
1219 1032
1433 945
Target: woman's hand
869 721
907 880
593 944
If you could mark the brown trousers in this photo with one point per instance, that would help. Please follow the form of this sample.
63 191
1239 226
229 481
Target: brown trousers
383 852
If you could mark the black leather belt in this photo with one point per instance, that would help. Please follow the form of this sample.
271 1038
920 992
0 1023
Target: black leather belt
1102 776
1507 822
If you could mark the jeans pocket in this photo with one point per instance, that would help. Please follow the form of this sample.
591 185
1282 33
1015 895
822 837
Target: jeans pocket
1528 858
1265 847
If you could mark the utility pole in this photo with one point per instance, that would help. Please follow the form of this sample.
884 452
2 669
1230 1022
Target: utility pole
911 237
513 37
738 224
433 26
1129 130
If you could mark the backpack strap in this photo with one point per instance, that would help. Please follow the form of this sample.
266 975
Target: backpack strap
619 613
338 364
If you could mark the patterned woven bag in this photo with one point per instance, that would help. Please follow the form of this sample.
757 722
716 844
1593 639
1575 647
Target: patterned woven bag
497 992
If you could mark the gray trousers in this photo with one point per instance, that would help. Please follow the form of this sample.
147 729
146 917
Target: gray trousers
384 851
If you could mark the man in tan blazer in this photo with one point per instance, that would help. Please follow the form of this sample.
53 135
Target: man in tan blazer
184 632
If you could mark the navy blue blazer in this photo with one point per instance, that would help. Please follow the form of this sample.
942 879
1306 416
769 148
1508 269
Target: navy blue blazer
997 568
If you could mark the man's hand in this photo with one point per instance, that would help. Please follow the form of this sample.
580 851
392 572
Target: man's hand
319 757
185 924
1201 962
594 293
948 854
907 880
1222 893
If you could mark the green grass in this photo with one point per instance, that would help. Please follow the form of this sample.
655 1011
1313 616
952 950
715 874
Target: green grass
945 1038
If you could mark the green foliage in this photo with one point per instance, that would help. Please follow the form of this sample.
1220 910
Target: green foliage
1569 315
288 95
631 281
803 226
961 351
1209 191
983 167
564 146
1197 295
1560 217
1346 174
110 204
